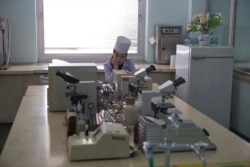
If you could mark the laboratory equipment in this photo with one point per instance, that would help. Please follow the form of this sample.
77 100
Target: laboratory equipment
80 90
165 91
83 115
166 39
109 105
154 130
131 112
108 141
139 81
208 72
57 100
117 78
172 120
4 44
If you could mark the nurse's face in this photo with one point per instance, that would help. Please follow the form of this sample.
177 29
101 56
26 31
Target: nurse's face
119 58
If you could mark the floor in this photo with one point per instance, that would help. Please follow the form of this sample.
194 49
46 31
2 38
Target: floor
4 132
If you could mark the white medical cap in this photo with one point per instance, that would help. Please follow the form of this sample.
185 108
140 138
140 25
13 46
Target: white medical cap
122 44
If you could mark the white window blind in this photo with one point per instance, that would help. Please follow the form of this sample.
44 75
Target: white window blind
88 26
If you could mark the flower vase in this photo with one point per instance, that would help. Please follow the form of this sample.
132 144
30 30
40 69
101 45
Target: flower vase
204 39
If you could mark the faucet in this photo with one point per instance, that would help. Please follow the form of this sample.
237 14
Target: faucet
172 118
200 148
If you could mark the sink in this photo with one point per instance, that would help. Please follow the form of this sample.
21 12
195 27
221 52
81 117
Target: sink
244 70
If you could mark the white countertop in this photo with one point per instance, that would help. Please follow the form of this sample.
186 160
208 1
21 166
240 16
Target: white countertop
43 68
38 138
239 65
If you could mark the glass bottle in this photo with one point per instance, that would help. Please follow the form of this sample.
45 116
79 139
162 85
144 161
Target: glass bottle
131 112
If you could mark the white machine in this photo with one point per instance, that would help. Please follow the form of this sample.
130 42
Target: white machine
108 141
178 141
117 79
57 86
4 44
154 130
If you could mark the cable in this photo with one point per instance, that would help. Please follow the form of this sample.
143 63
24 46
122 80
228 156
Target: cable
6 52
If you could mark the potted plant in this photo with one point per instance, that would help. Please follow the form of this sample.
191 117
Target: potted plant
203 23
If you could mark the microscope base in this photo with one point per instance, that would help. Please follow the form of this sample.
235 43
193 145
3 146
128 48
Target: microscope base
77 123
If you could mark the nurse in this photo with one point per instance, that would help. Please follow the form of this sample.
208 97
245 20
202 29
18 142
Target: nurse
119 60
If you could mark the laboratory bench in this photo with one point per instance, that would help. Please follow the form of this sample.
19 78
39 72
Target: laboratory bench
38 137
43 68
16 79
241 76
242 71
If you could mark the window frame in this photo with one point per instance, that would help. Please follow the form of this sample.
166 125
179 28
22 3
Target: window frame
89 57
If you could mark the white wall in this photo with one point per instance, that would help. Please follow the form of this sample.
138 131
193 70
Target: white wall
22 21
222 32
168 12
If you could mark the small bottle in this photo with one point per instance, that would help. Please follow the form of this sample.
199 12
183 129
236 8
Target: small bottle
131 112
138 103
136 133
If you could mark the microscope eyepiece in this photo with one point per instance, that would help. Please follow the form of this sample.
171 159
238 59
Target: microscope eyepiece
67 77
150 69
60 74
178 81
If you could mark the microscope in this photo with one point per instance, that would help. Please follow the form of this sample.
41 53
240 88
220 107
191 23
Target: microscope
165 91
139 81
122 79
83 116
88 137
56 96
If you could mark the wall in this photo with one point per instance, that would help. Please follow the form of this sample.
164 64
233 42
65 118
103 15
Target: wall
242 27
168 12
222 32
22 20
242 32
162 12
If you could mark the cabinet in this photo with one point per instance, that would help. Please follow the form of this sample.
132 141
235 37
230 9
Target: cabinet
208 75
240 113
12 89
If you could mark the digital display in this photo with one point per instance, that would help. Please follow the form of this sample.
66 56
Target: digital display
170 30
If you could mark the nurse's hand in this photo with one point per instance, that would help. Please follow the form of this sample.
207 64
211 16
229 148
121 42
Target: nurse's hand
115 64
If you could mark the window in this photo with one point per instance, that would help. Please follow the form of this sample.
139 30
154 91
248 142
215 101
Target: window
86 30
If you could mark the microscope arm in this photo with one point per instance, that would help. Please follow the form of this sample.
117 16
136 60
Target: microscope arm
140 74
